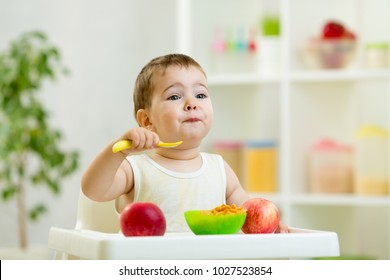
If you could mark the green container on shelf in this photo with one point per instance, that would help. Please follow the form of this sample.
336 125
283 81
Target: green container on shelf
270 25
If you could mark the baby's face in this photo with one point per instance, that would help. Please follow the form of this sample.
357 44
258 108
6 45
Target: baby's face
181 108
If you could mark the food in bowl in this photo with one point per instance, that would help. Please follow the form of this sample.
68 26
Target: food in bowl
224 219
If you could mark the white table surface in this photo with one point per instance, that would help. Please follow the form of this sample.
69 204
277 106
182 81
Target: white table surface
300 243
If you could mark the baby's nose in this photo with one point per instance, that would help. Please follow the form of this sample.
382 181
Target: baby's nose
190 104
190 107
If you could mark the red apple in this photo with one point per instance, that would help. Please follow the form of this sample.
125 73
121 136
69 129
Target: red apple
262 216
333 30
142 219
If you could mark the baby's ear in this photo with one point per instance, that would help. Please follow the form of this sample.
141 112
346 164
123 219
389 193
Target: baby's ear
143 118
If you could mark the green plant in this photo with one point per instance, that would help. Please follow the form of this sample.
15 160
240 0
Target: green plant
30 152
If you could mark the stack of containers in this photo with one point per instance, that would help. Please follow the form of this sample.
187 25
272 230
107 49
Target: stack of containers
330 167
260 166
254 162
231 153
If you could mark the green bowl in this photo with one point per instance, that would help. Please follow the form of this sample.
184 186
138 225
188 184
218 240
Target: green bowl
203 222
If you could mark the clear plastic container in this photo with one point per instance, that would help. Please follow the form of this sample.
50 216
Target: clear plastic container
377 55
260 166
330 167
372 165
327 54
231 153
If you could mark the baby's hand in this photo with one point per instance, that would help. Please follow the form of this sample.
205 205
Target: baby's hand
142 139
282 228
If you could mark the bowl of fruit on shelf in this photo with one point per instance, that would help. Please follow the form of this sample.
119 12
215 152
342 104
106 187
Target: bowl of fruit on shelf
335 48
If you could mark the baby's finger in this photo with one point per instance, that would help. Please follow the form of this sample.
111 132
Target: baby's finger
138 140
150 141
155 140
282 228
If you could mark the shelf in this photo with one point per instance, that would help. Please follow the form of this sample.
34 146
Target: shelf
338 75
340 200
242 79
274 197
321 199
298 76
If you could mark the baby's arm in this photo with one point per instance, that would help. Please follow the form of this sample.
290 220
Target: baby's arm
109 175
234 191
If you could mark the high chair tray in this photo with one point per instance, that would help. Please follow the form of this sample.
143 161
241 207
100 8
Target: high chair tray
299 243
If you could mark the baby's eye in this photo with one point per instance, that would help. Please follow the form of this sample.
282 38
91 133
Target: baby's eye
174 97
201 96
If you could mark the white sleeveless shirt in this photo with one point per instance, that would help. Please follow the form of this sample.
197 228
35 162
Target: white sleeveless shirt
176 192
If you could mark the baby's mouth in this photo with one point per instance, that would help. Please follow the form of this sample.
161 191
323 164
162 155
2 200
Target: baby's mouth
191 120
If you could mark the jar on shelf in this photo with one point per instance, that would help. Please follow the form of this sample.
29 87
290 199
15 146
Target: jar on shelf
230 150
372 165
269 45
376 55
260 166
269 41
330 167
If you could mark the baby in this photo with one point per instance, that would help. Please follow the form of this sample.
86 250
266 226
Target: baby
171 103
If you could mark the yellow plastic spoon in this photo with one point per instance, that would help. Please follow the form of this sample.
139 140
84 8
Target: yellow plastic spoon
126 144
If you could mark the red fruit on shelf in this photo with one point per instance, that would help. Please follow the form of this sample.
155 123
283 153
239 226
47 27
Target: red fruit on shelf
349 35
333 30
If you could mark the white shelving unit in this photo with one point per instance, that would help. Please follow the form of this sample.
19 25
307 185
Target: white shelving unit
296 106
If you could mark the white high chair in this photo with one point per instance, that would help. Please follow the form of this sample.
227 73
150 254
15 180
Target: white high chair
96 216
97 236
91 216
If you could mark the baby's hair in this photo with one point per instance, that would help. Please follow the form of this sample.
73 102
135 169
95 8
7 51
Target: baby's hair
144 86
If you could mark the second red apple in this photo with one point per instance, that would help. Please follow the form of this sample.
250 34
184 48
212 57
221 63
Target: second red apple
262 216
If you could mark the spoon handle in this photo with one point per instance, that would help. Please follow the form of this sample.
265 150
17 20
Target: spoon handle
126 144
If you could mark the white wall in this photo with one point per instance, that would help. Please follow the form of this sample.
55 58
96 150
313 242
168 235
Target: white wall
104 43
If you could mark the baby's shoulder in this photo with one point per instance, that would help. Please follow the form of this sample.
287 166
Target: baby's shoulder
213 158
211 155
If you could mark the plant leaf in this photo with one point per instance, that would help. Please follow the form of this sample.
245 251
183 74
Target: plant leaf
37 211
